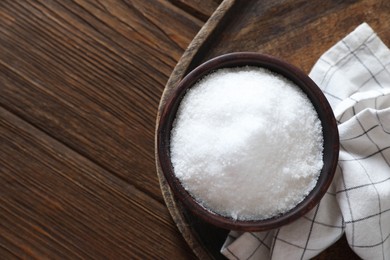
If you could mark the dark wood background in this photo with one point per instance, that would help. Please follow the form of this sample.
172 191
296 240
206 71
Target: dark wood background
80 85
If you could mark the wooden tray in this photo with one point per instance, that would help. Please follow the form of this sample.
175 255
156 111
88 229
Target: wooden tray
298 31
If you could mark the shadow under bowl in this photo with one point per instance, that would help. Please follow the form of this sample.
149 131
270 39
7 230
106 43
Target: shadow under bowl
314 94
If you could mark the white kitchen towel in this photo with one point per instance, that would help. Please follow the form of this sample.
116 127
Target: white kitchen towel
355 77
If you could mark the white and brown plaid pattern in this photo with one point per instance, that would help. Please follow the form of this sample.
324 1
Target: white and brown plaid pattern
355 77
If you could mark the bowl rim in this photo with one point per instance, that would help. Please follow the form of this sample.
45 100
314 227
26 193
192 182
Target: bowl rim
312 91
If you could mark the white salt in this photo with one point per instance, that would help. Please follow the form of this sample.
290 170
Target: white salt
247 143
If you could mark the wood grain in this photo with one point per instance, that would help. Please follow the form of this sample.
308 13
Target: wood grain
80 83
201 9
90 74
296 31
56 203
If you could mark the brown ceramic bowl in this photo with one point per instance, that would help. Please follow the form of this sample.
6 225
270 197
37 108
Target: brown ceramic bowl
315 95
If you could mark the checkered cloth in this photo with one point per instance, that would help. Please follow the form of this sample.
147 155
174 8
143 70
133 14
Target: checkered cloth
355 77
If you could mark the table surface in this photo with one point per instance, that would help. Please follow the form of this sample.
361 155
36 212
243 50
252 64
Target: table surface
80 85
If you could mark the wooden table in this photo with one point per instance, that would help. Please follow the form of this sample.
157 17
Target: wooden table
80 84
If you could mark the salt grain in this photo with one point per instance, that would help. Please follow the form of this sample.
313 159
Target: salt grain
247 143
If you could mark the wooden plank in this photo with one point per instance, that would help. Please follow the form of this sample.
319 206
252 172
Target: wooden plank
296 31
201 9
90 74
57 204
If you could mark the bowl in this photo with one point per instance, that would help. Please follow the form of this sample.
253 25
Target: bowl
314 94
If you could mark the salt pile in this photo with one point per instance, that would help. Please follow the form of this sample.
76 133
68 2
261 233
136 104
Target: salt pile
247 143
